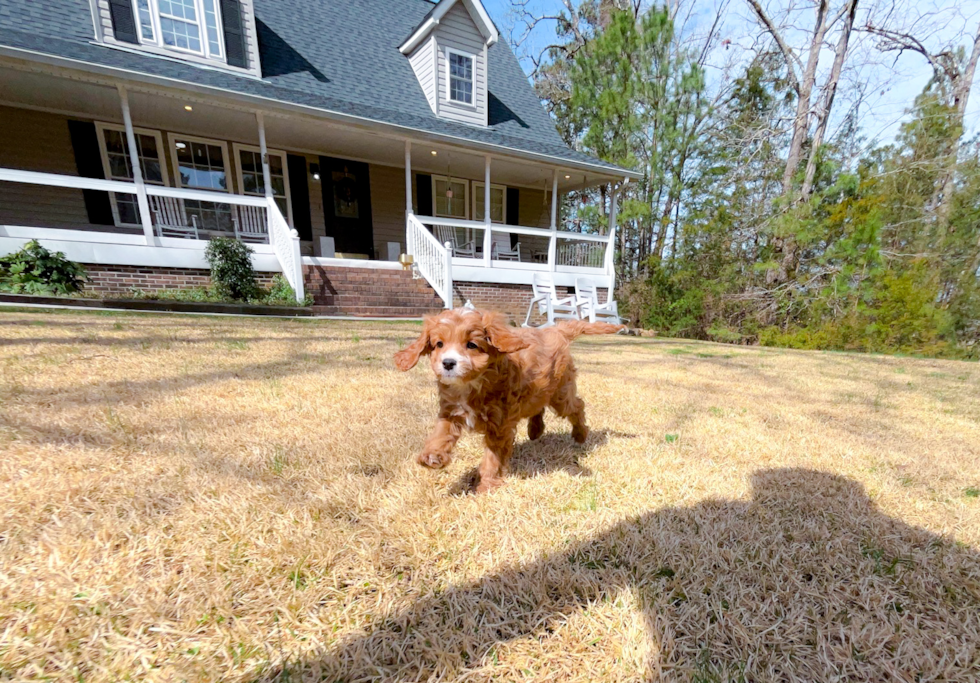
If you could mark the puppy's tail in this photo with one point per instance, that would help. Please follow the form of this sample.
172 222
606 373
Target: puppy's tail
571 329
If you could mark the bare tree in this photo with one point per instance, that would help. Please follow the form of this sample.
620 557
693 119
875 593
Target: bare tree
951 68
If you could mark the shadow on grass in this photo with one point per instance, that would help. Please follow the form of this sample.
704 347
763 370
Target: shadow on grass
806 581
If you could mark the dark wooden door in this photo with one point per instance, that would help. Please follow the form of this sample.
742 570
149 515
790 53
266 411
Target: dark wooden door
347 205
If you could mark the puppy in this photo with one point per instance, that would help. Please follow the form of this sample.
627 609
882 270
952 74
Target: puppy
491 376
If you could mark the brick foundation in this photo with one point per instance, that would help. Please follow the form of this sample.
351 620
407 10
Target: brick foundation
512 300
121 280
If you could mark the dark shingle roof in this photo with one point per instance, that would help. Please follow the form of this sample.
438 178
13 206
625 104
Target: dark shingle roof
337 55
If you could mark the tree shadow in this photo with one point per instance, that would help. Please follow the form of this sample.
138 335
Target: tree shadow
808 580
280 57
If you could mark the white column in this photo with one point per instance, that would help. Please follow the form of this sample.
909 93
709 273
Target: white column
266 176
553 243
487 236
611 243
134 158
408 176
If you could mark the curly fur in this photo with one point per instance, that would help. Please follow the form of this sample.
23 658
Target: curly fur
491 376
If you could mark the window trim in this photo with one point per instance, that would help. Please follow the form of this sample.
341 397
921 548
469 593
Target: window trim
449 77
174 138
201 24
240 180
466 202
100 128
493 186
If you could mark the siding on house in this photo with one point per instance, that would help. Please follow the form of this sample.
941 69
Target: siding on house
458 32
423 62
40 142
105 34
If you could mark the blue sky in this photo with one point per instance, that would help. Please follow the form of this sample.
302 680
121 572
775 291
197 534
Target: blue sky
889 84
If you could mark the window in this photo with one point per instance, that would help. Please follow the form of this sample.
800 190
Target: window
199 164
187 25
498 203
117 166
250 181
460 77
449 207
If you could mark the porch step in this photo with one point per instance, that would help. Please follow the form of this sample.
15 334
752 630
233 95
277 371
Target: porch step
369 292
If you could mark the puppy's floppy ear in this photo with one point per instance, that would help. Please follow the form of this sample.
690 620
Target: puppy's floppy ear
502 336
409 356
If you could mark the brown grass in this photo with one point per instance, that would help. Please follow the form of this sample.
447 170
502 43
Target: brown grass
211 499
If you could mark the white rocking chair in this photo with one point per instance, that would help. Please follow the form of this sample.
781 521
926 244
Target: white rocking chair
549 305
250 224
170 219
501 249
447 233
587 296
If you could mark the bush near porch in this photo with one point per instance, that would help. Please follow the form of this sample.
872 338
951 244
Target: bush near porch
214 499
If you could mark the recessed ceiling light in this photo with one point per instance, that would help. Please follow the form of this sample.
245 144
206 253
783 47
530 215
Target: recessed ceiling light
434 152
567 177
188 107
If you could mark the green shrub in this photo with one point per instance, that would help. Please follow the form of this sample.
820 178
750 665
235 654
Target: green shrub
282 294
231 268
35 270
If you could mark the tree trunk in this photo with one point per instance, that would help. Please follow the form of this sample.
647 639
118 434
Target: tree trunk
830 90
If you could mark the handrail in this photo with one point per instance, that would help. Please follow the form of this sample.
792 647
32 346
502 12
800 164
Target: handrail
515 229
285 244
206 196
58 180
433 260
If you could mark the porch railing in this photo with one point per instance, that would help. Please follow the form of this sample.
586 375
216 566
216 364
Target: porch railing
433 260
187 214
520 247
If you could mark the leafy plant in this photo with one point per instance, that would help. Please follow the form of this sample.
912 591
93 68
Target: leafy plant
282 294
35 270
231 268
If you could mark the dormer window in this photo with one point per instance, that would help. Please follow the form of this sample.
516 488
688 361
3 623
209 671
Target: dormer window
187 25
460 77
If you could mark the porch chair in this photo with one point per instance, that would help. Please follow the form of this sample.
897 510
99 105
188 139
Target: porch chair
586 295
250 226
447 233
545 297
168 214
502 250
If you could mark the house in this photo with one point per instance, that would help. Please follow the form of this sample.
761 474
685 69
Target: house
335 136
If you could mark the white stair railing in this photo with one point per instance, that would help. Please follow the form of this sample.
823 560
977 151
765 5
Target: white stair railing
434 260
285 243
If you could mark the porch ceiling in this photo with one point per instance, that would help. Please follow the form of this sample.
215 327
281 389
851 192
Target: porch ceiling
165 110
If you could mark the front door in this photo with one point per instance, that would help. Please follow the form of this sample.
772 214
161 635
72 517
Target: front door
347 206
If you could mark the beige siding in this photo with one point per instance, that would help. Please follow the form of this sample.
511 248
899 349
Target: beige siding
458 32
251 38
41 143
387 207
423 63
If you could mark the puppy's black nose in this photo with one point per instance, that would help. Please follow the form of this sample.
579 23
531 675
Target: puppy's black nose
449 364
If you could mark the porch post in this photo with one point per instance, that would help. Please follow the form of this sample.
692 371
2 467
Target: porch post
408 176
487 237
611 242
266 175
553 242
134 159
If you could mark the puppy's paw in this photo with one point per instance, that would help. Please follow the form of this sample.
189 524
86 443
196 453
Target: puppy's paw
488 484
433 460
580 433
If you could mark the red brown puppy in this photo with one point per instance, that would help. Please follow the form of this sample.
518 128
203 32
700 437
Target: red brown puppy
490 376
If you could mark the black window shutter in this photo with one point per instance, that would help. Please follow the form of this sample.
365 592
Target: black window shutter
231 18
423 194
513 212
88 160
299 195
123 21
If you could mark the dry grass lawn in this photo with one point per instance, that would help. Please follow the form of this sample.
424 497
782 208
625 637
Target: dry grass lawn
217 499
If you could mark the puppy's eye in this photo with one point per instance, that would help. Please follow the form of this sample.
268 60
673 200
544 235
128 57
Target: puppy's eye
438 345
472 345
